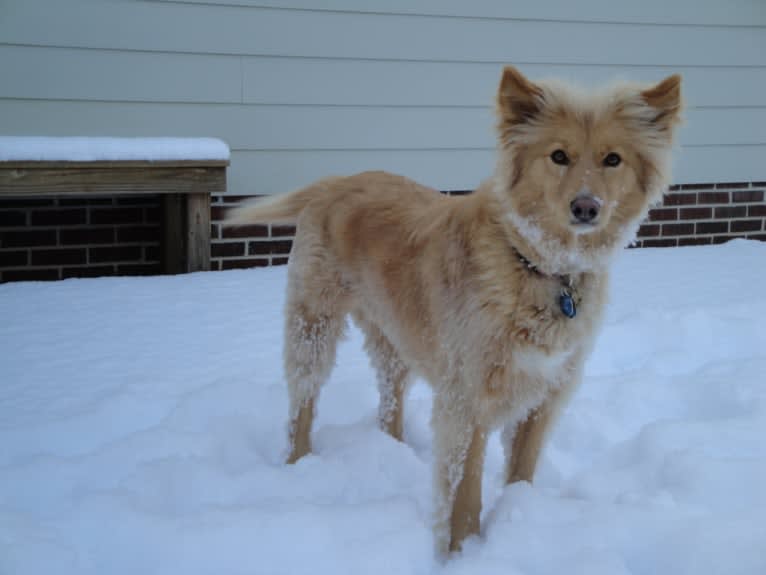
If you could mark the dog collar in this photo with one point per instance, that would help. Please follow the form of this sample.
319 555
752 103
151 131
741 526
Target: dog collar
566 298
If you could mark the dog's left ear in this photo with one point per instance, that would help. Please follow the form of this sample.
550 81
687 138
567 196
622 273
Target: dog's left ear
665 98
518 99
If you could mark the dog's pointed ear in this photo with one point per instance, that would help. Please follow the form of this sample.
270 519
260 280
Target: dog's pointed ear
518 99
666 99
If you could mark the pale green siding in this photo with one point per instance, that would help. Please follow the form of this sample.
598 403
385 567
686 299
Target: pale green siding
300 92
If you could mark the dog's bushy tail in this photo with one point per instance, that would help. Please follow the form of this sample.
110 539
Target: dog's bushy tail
280 209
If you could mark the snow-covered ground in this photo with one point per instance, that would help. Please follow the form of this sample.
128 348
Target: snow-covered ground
142 430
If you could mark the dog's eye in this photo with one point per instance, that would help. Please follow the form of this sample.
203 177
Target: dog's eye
612 160
560 157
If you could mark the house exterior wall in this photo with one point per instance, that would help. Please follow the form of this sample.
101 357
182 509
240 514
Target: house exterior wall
302 89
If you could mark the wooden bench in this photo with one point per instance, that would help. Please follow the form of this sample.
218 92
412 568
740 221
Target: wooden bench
184 186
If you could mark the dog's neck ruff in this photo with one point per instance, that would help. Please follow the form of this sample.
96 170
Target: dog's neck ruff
566 295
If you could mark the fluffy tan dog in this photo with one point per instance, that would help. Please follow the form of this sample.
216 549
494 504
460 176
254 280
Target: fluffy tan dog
493 298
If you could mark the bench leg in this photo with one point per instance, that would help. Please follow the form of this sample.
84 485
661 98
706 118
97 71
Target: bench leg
173 234
198 232
186 233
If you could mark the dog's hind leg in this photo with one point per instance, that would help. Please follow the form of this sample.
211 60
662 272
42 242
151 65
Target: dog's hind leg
393 378
314 322
310 343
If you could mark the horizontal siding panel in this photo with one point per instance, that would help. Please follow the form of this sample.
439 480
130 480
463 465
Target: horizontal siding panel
339 128
719 164
711 126
241 30
732 12
76 74
60 73
356 82
277 172
300 127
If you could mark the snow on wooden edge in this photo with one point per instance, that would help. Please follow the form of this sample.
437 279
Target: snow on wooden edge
89 149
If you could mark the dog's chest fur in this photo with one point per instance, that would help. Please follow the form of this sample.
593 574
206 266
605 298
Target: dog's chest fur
518 344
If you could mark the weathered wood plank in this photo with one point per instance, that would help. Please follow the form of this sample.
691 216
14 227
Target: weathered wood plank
109 178
107 164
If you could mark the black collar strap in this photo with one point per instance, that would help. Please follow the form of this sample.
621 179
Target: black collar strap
566 299
528 264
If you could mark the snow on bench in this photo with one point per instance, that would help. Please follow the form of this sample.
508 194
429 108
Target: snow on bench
184 171
82 149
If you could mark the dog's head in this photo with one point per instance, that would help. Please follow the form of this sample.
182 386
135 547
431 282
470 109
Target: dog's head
577 171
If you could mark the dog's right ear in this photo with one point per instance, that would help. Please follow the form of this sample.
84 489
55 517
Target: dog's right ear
518 99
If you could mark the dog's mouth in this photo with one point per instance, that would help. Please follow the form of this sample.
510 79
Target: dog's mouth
584 227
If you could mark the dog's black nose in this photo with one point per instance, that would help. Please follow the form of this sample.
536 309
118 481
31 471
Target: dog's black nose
585 209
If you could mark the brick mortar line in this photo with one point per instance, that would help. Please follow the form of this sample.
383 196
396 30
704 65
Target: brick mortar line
726 205
59 246
249 257
84 246
708 204
656 207
646 223
704 220
84 265
59 267
732 205
651 223
728 186
265 225
251 239
67 227
696 235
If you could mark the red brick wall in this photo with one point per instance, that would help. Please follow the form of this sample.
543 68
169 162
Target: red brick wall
43 239
691 214
49 239
701 214
247 246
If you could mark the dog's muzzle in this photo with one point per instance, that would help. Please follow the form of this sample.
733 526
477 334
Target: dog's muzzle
585 209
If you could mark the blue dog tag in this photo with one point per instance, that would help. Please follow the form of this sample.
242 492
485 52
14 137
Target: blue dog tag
567 304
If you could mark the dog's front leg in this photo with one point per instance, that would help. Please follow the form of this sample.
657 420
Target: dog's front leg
459 462
524 441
